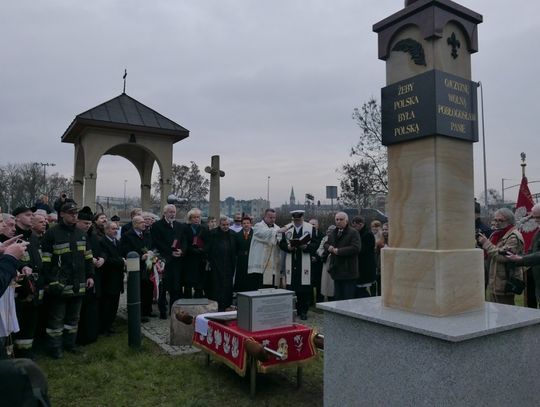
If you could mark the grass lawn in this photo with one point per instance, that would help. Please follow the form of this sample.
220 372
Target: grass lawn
110 374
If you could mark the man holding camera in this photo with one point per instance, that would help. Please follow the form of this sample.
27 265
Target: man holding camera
29 291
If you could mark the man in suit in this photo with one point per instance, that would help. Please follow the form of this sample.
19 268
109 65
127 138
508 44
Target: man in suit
243 243
128 226
137 241
167 240
221 249
316 261
112 278
366 258
195 277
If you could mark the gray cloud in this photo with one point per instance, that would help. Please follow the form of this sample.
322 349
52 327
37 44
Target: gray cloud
270 86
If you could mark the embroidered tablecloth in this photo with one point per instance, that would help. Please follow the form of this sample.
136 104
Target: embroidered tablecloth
225 341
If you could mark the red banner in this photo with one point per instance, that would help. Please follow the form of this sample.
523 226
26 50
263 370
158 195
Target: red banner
527 226
225 341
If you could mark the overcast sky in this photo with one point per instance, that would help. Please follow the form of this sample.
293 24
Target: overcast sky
268 85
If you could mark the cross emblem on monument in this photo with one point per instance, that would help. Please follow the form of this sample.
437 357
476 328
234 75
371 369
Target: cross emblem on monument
454 42
215 174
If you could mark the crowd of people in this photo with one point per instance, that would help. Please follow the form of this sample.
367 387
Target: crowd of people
508 269
63 274
62 277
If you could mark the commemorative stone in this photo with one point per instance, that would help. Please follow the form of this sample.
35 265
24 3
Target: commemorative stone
429 123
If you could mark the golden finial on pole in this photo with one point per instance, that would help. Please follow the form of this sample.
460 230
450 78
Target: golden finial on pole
523 164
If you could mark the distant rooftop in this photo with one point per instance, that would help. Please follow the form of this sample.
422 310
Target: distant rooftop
124 113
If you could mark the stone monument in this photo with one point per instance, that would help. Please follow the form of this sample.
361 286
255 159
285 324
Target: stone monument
431 339
429 125
215 173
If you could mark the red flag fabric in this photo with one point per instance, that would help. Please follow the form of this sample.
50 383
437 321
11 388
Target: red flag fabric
527 226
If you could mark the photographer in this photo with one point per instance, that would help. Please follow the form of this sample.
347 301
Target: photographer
504 240
63 199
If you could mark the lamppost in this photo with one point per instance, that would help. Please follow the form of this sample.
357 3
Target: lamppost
268 190
125 202
503 188
45 165
484 143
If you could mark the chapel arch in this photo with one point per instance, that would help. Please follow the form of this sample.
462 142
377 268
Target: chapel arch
124 127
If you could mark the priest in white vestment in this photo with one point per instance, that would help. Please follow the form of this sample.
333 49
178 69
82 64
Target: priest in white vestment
264 253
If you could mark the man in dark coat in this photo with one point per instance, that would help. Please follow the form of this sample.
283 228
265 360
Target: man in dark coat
195 236
316 261
367 266
89 321
137 241
168 242
112 278
243 243
29 293
128 226
344 244
221 249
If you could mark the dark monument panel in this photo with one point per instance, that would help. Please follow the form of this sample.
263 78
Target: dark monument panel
456 107
429 104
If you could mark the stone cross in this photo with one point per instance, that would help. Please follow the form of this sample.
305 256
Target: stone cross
215 174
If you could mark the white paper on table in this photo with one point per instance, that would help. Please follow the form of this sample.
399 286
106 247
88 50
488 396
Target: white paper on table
201 321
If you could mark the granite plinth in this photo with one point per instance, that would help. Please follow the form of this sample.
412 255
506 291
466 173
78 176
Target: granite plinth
180 333
377 356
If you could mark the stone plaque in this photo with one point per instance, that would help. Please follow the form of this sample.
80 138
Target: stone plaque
265 309
434 103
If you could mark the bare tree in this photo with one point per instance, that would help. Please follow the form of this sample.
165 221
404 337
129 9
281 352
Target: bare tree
367 175
22 183
187 182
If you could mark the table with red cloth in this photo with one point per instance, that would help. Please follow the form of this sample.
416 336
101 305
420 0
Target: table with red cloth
225 341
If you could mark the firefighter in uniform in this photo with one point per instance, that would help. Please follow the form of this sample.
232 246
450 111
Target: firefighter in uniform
29 288
68 271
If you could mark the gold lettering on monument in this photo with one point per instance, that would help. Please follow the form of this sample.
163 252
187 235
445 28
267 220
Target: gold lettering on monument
402 117
456 113
406 116
406 88
456 85
458 100
459 127
412 128
406 102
